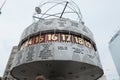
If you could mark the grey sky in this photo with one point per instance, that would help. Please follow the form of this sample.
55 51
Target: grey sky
101 16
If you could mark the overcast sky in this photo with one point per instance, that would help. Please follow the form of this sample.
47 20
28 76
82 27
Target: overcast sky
102 17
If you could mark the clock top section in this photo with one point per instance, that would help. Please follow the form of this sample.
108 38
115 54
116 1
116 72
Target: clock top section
55 25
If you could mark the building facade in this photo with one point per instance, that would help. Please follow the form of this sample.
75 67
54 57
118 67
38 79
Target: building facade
114 46
6 75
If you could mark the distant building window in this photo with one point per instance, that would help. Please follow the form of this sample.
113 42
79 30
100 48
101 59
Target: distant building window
6 72
5 78
9 66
